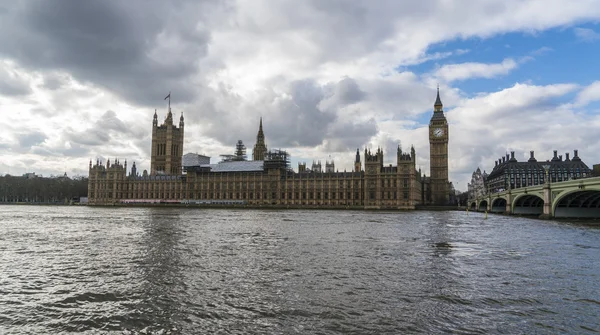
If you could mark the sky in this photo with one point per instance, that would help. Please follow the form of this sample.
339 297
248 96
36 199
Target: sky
80 80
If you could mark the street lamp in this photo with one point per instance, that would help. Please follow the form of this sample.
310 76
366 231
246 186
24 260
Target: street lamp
546 168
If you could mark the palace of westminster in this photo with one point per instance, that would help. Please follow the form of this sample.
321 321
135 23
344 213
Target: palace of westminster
268 180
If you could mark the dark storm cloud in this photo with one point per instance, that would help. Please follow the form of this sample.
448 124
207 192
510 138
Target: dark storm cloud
113 44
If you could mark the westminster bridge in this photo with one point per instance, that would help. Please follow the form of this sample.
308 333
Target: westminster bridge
578 198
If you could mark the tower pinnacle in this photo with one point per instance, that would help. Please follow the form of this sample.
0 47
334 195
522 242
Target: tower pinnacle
438 101
260 148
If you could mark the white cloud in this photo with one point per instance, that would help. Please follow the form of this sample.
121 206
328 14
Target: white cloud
454 72
586 34
588 94
324 75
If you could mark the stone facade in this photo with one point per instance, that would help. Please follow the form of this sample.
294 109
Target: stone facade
260 148
268 180
438 154
476 188
167 146
508 173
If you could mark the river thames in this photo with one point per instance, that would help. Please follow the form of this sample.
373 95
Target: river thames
202 271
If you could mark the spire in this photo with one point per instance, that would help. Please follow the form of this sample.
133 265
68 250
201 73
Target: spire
438 101
260 148
357 156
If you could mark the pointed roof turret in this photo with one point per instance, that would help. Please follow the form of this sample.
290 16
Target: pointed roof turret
260 148
438 107
438 101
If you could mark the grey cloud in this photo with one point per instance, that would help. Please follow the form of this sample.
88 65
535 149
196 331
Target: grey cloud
346 136
76 151
103 131
13 84
53 81
113 44
299 121
290 119
43 151
348 91
31 139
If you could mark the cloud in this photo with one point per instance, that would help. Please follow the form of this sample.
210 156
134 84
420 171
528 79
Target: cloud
520 118
120 46
586 34
30 139
12 82
325 76
463 71
588 94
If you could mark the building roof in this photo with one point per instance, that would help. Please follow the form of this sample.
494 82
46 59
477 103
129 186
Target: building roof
500 169
192 159
236 166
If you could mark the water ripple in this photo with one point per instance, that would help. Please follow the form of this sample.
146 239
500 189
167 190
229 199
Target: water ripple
187 271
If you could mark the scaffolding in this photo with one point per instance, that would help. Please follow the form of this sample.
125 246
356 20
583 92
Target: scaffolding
240 151
239 154
277 159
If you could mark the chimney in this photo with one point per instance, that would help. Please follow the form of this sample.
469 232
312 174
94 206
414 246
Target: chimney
531 157
496 163
560 158
567 157
503 159
512 155
555 152
575 153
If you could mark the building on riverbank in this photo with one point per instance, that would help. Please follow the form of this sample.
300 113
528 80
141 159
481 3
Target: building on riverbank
268 179
510 173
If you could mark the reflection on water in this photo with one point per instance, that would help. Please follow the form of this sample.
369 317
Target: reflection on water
174 270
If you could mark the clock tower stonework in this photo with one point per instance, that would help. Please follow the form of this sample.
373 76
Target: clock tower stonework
438 154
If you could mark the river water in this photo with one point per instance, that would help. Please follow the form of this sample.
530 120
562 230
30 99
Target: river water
204 271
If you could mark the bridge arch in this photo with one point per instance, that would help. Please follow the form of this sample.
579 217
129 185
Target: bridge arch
528 204
498 205
483 204
473 206
578 203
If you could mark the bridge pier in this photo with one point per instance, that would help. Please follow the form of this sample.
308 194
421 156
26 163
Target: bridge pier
547 214
508 210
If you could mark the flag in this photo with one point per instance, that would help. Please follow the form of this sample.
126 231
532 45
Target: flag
168 96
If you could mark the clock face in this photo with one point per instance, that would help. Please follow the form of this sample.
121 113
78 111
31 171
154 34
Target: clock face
438 132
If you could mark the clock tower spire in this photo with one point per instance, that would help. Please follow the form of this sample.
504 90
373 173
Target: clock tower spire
438 154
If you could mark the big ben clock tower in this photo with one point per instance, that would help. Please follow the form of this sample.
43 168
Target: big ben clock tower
438 154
